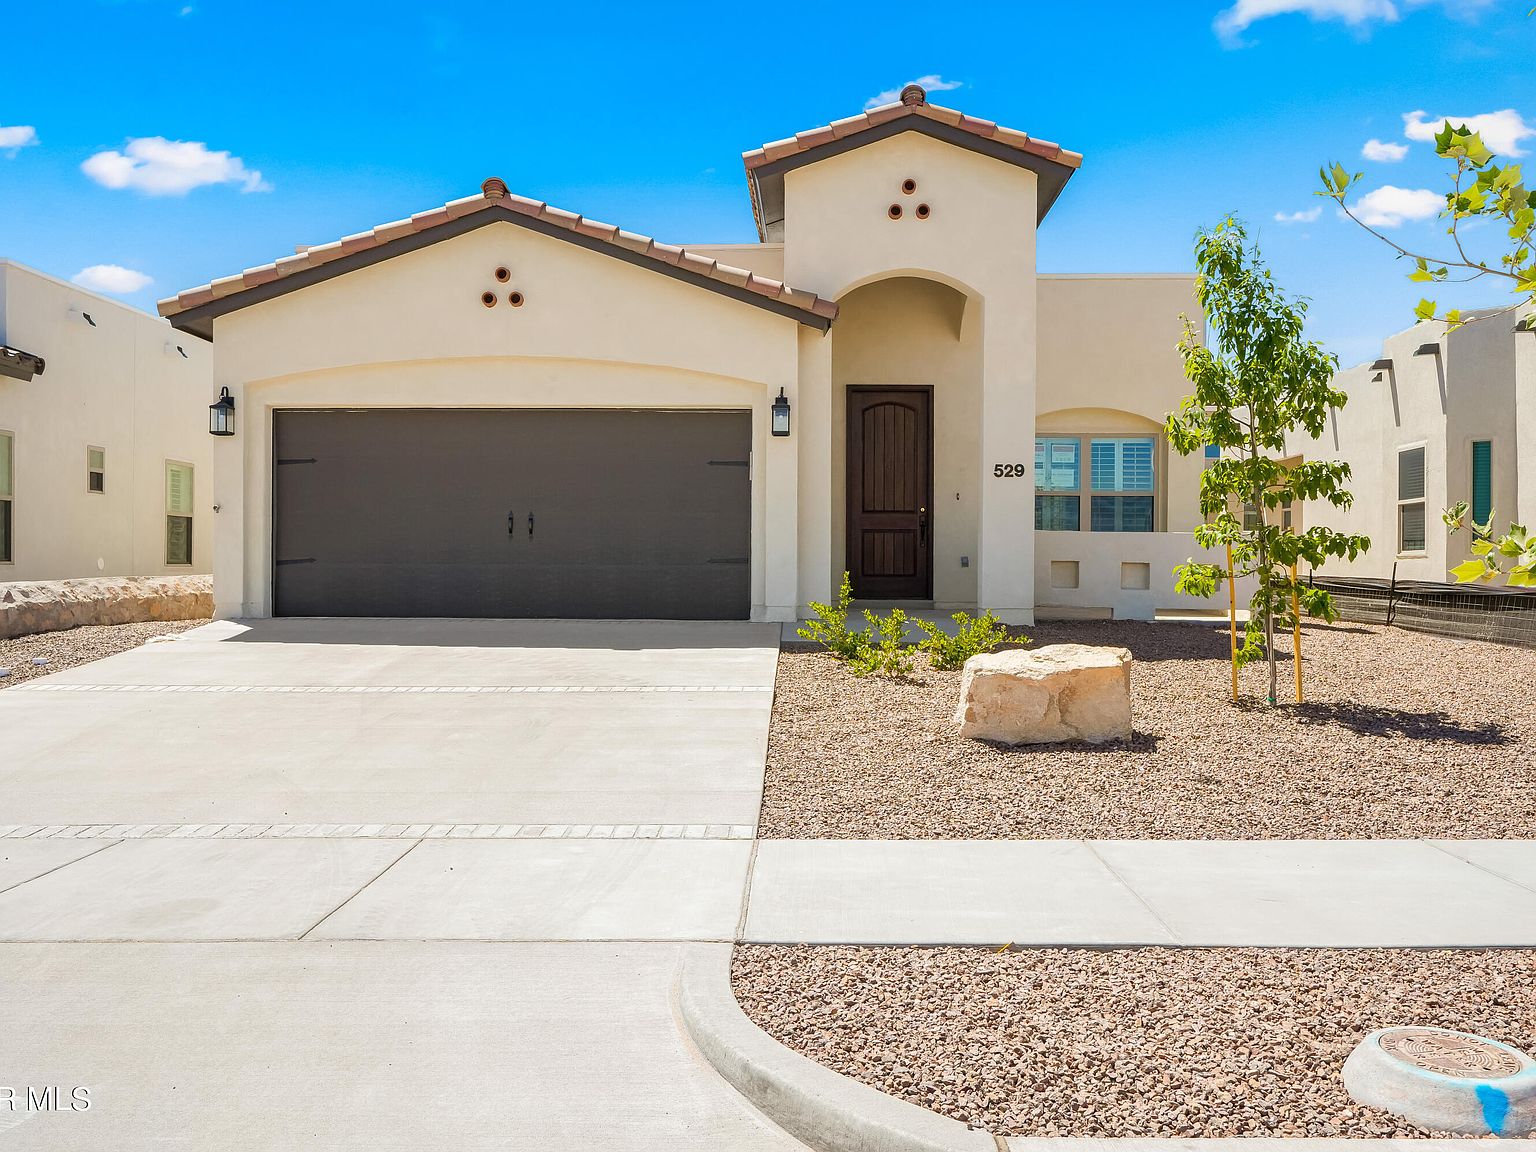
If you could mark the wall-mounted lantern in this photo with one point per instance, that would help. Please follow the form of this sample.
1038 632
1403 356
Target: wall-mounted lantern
780 423
221 415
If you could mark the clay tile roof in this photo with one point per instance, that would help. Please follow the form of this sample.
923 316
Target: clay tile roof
195 309
885 113
765 165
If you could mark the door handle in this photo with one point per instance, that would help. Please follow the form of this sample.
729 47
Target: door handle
922 526
511 520
530 523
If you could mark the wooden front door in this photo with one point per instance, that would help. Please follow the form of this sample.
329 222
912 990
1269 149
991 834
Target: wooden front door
890 493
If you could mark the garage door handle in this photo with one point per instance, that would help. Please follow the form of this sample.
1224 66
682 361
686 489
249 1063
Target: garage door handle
530 523
511 520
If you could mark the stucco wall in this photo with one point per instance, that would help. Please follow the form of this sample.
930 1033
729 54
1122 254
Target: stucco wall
1124 575
1110 342
1444 401
979 240
114 386
412 332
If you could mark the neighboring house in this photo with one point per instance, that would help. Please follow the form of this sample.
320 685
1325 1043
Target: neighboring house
105 461
499 408
1438 418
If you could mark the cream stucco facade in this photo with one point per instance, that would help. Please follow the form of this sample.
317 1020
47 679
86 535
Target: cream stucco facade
121 395
1460 401
922 237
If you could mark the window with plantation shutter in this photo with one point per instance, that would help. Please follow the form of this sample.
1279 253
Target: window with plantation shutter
178 513
1120 471
1410 500
7 490
1482 480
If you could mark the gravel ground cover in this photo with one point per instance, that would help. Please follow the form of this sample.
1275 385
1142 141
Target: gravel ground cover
1142 1043
78 646
1402 735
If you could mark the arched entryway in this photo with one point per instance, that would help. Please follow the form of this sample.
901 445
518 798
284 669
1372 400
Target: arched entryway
906 373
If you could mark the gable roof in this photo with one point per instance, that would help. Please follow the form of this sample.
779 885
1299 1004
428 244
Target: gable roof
195 309
766 166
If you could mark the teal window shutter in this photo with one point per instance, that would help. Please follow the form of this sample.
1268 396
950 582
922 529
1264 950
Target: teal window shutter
1482 480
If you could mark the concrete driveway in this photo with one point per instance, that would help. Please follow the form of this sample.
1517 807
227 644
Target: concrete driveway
379 884
381 722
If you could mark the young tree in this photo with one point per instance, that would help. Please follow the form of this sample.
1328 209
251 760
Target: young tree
1481 192
1260 381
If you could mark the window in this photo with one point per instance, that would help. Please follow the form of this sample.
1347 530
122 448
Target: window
95 469
1058 480
1253 516
7 490
1120 483
1120 472
1287 520
1410 500
1482 481
178 513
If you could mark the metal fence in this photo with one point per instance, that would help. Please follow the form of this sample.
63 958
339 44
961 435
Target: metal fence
1462 611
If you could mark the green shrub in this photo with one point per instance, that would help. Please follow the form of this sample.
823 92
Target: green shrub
891 656
974 636
830 628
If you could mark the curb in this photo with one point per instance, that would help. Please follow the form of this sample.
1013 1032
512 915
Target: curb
825 1110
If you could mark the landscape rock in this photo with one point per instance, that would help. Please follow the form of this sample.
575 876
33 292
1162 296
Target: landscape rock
29 607
1060 693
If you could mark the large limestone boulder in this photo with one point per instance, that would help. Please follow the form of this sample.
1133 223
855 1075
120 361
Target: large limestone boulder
27 607
1058 693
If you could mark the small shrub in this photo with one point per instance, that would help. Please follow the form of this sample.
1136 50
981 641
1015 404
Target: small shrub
974 636
830 628
892 656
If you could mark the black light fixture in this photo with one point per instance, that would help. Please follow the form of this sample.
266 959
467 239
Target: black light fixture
221 415
781 414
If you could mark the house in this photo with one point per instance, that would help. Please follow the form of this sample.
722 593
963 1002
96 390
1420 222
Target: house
501 408
1440 417
105 458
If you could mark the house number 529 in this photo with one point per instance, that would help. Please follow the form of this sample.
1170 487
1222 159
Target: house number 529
1008 470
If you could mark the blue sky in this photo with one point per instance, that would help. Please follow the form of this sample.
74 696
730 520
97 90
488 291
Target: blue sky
187 139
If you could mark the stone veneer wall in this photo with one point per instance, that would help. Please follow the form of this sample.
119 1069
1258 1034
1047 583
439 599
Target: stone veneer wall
27 607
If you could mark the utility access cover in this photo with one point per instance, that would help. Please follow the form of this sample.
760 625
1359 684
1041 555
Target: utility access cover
1456 1054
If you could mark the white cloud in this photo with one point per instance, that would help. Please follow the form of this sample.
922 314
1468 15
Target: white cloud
1390 206
113 278
1305 216
929 83
1232 22
1383 152
160 167
1502 131
15 138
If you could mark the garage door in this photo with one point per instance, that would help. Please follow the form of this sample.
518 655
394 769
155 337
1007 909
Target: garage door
459 512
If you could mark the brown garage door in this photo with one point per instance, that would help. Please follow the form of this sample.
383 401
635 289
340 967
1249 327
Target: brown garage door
475 512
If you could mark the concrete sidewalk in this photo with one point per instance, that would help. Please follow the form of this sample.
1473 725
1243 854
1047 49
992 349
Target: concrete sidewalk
1307 893
480 886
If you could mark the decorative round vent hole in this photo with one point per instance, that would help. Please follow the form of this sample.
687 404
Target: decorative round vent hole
503 275
894 211
515 299
488 299
923 211
909 186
